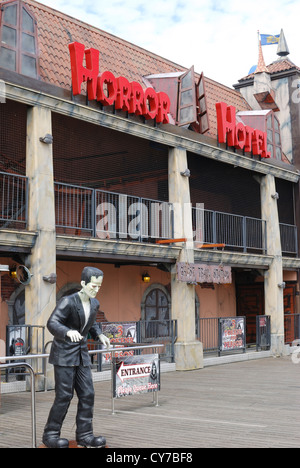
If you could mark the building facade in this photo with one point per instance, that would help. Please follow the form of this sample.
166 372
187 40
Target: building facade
113 156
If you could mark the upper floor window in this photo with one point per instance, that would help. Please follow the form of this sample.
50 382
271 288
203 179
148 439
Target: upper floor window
266 121
274 141
18 46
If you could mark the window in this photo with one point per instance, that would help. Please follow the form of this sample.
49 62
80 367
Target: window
274 141
155 311
18 47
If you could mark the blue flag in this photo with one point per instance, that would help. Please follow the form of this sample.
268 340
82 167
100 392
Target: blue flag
268 39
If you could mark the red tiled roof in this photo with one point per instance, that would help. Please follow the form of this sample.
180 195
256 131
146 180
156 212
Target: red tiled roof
280 65
216 92
56 30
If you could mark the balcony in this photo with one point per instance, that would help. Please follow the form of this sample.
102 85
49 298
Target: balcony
83 212
239 233
13 201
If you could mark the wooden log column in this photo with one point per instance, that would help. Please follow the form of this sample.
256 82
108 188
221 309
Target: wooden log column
188 351
40 296
273 280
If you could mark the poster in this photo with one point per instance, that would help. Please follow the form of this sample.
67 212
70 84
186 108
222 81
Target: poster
136 374
232 333
119 333
17 340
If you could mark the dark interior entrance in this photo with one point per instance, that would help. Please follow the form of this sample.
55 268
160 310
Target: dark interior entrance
250 303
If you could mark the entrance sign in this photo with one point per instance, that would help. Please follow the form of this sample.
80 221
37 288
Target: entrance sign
201 273
232 334
135 375
118 91
238 135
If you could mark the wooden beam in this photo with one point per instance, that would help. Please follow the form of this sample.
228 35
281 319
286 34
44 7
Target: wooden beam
170 241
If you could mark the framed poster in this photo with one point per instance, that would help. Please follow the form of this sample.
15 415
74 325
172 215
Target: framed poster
119 334
134 375
232 334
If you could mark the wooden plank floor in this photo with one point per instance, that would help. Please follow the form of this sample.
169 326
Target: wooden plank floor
247 404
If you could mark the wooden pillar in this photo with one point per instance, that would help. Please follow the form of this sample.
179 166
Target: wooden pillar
273 281
188 351
40 296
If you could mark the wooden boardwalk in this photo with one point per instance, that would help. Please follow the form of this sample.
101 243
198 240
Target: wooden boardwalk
244 404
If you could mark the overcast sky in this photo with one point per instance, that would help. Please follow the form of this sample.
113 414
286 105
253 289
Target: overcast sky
218 37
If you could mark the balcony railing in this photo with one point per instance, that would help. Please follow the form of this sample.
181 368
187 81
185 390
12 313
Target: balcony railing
289 243
106 215
235 231
83 211
13 201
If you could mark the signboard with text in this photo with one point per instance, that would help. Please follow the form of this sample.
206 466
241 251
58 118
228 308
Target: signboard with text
111 90
232 334
135 375
119 334
201 273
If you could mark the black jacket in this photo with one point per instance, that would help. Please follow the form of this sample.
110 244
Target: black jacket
69 315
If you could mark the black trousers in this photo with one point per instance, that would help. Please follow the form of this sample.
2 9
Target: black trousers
68 379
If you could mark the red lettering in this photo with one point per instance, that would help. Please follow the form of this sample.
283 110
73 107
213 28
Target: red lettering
226 123
238 135
259 144
123 94
163 108
249 133
109 90
136 99
150 107
106 88
80 74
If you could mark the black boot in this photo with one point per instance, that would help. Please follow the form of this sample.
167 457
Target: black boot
55 442
90 441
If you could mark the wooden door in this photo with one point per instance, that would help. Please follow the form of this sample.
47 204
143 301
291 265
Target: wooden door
289 310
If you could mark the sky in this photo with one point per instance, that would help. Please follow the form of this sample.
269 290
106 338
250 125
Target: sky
218 37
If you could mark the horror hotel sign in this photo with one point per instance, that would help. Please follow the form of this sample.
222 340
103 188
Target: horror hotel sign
238 135
118 91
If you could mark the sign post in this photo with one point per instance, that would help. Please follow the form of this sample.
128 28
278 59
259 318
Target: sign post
135 375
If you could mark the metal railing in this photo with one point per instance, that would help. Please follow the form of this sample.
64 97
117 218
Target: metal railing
164 332
33 401
288 235
84 211
13 201
235 231
207 332
111 350
291 328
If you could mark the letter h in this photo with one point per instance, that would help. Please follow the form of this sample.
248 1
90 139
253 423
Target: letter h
80 74
226 123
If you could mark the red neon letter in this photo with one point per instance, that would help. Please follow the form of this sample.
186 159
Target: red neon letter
249 133
259 144
240 136
136 99
80 74
107 79
226 123
150 104
163 108
123 93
